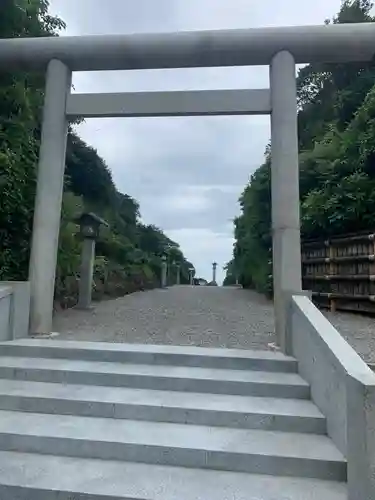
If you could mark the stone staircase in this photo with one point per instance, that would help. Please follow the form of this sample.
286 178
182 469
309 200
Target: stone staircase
106 421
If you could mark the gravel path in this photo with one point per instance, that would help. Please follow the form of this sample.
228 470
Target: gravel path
216 317
358 330
184 315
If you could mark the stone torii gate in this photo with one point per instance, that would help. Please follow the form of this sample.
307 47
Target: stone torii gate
280 48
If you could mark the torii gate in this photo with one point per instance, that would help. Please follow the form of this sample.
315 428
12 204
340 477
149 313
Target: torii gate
280 48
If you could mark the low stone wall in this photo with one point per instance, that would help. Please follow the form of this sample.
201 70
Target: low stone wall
5 312
66 294
14 309
342 386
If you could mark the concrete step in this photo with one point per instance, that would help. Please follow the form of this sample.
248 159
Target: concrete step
37 477
233 359
252 451
293 415
171 378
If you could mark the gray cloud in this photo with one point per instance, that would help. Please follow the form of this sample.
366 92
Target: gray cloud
212 208
187 173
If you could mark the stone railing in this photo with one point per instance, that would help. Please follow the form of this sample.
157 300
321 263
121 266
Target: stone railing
14 309
342 386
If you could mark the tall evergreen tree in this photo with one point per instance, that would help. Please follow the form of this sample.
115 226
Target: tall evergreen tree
336 119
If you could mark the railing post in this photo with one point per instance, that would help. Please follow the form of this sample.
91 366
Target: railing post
285 188
48 200
360 437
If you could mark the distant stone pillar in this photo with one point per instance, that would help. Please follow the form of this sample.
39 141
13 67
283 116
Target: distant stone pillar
285 188
191 276
163 279
50 182
214 266
178 274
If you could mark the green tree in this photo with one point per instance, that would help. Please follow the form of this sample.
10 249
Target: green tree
21 98
128 252
337 175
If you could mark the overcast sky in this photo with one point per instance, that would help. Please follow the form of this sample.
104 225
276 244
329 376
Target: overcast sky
187 173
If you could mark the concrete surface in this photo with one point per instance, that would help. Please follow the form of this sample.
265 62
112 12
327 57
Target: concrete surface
218 448
37 477
148 417
293 415
5 313
361 436
177 103
243 47
155 354
343 387
286 238
320 366
14 296
326 361
48 198
207 380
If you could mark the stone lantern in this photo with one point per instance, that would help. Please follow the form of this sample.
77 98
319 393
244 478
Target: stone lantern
89 224
178 273
163 279
191 275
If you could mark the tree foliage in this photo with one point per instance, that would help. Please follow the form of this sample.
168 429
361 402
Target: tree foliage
336 119
129 252
20 103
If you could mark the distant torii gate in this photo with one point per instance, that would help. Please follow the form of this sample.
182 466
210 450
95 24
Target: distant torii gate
280 48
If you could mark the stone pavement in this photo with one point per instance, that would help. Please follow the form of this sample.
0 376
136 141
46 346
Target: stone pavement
202 316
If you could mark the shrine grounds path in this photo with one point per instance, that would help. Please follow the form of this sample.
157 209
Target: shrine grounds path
202 316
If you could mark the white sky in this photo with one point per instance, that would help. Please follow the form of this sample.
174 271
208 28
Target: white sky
187 173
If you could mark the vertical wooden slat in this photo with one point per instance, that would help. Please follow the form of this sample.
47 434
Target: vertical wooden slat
341 271
331 255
